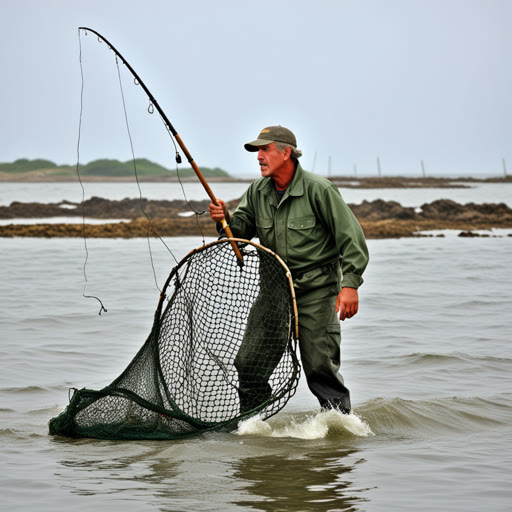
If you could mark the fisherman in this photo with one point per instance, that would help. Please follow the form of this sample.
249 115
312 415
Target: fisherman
303 218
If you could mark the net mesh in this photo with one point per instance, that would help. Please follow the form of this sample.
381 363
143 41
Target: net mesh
222 348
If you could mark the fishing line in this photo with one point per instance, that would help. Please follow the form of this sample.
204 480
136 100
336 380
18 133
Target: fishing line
151 110
178 161
179 141
102 307
175 138
196 213
150 224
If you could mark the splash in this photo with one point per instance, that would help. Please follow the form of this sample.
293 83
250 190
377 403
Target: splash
310 426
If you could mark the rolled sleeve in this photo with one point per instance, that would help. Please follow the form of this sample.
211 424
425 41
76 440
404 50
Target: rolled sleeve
351 281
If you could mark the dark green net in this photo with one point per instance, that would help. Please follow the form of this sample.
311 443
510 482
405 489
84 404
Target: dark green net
222 348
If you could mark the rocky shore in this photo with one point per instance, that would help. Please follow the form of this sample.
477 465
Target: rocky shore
379 219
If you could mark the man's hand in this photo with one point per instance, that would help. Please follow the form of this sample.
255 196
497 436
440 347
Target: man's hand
347 303
217 213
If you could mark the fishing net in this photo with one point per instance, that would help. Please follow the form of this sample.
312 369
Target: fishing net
222 348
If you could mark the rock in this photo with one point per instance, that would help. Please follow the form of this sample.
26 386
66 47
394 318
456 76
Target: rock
380 210
471 234
445 209
379 219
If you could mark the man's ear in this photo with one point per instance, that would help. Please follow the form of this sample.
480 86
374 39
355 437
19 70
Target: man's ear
287 151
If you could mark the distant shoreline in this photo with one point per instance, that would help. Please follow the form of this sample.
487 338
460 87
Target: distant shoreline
340 181
32 178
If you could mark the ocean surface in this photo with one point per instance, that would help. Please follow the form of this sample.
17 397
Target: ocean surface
56 192
428 360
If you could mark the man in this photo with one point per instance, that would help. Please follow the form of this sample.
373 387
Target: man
303 218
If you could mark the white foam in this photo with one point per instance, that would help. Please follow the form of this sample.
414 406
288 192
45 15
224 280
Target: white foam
311 426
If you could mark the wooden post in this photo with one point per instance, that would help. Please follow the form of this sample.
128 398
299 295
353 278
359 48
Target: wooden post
378 166
423 169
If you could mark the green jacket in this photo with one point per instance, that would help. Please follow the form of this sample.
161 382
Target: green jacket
311 229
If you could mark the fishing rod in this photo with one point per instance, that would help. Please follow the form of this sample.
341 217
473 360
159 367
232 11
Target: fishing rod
174 134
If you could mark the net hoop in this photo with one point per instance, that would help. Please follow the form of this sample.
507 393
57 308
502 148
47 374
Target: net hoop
222 348
236 240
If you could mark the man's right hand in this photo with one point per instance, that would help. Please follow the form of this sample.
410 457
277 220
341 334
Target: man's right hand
217 213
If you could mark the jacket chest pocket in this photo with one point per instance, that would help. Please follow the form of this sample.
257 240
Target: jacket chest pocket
301 231
265 231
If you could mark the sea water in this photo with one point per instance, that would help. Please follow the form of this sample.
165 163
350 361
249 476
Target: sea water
71 191
428 360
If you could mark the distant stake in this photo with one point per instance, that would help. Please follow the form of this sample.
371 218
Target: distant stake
423 169
378 166
504 168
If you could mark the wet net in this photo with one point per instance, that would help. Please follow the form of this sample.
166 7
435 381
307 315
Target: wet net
222 348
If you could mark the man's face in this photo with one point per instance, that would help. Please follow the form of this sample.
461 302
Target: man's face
271 160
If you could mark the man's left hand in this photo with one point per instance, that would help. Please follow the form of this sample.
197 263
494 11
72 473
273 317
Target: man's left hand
347 303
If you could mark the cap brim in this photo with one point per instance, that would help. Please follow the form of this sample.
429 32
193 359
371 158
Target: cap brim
256 144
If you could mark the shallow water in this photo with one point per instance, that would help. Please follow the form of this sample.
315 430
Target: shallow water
60 220
428 360
415 197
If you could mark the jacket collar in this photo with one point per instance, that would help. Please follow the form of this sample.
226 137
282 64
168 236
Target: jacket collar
295 188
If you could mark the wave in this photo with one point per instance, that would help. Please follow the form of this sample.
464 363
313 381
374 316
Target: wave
47 411
419 357
317 425
28 390
390 417
433 359
25 389
456 414
13 433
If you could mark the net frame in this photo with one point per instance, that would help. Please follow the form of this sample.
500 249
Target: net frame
172 421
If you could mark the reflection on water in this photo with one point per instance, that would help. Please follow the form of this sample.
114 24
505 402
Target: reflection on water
316 480
214 472
135 473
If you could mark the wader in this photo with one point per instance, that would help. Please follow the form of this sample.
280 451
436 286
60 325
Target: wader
319 344
311 226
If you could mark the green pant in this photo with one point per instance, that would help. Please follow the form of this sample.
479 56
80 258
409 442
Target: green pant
319 344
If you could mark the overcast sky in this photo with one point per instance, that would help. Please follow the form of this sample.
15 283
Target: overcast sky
405 80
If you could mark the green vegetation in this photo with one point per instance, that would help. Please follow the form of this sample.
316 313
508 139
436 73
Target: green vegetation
103 167
25 165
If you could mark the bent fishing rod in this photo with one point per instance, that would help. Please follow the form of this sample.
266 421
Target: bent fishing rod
174 134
